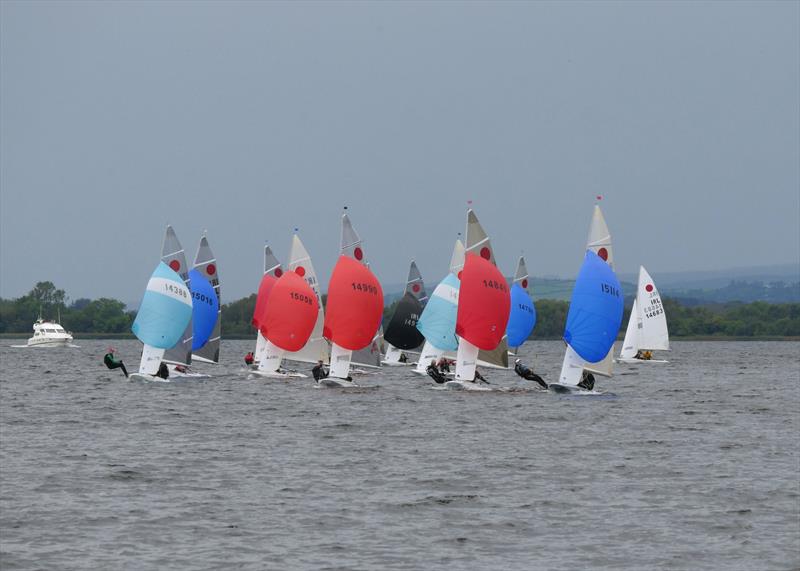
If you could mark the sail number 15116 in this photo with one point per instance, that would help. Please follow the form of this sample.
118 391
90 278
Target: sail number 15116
605 288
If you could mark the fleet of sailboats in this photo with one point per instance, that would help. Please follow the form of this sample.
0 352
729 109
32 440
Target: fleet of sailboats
473 316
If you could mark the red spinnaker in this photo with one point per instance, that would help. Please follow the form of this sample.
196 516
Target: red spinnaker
355 305
290 313
266 285
484 303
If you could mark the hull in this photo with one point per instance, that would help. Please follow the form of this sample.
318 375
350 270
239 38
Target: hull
465 386
333 383
641 361
142 377
278 374
49 342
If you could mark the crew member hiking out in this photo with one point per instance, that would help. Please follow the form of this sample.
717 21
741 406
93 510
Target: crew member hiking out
112 362
527 373
435 373
163 371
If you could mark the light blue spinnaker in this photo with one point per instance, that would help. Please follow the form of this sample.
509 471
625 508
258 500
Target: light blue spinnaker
165 310
595 312
438 320
205 309
522 318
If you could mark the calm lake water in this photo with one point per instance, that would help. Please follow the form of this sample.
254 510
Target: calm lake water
689 465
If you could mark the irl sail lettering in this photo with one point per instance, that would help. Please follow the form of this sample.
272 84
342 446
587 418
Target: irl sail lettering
611 290
367 288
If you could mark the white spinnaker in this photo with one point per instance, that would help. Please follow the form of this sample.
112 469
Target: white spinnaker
599 242
572 368
316 348
630 345
653 335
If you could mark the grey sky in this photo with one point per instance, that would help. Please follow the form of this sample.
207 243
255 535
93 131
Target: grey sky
248 119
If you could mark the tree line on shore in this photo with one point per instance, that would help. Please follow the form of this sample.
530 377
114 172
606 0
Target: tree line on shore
108 316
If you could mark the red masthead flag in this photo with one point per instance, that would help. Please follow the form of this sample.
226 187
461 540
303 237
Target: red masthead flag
355 305
264 288
484 303
290 312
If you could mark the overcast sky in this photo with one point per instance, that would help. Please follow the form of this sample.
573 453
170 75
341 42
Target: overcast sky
250 119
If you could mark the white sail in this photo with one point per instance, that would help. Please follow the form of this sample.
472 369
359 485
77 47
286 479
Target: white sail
572 368
151 359
340 362
466 360
630 345
316 348
653 334
270 358
599 242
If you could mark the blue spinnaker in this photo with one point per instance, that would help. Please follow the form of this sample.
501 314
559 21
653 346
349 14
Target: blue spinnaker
595 312
205 309
165 310
438 320
522 318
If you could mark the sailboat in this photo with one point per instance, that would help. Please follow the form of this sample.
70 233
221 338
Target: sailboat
355 307
647 325
316 348
595 314
173 256
288 319
205 271
522 318
599 242
437 323
272 271
161 321
484 304
401 332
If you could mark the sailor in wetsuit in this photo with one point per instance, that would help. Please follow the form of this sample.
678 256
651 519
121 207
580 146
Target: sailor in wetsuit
527 373
319 371
444 365
163 371
435 373
587 381
112 362
403 358
249 358
479 377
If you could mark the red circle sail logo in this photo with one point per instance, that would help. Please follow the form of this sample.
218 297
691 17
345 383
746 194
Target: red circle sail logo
175 265
358 253
300 271
486 253
525 284
415 287
603 253
211 269
649 288
278 272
